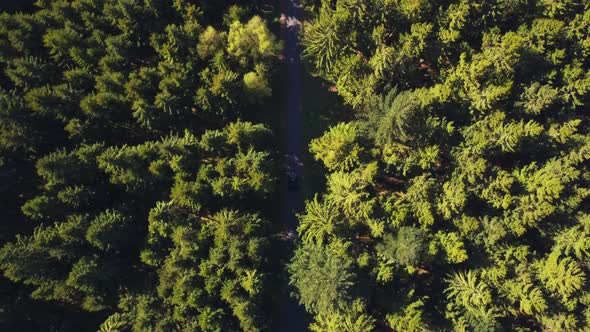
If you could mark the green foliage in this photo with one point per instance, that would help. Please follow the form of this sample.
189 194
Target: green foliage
404 249
324 39
256 85
109 231
456 196
394 117
410 319
562 275
453 247
537 98
468 291
349 192
116 113
472 117
319 221
323 275
211 268
115 323
339 148
251 41
352 319
88 259
211 42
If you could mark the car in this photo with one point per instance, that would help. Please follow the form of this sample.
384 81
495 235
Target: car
292 181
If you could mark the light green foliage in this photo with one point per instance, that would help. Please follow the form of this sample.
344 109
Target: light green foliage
339 148
473 115
115 323
468 291
349 192
562 275
410 319
453 247
413 9
108 231
494 132
454 21
537 98
319 221
497 60
60 43
353 319
325 39
420 196
347 204
396 117
577 85
251 41
211 41
574 240
256 85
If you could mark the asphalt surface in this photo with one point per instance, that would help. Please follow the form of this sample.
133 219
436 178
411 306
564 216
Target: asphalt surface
291 314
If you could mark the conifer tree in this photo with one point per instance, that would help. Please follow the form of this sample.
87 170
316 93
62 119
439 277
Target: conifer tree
471 116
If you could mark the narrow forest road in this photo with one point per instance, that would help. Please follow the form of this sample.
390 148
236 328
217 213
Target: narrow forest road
291 314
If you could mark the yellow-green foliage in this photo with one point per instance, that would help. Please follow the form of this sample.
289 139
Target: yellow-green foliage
475 116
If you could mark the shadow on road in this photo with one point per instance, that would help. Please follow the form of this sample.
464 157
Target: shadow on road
291 316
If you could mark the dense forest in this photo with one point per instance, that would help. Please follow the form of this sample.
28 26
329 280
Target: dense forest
122 143
141 169
458 196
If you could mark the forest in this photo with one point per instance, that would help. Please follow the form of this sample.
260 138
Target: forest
146 150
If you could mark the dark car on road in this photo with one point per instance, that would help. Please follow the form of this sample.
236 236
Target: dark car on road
291 164
292 181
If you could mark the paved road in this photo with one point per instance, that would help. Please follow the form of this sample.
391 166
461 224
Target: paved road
292 315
